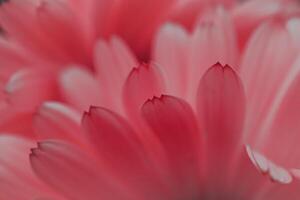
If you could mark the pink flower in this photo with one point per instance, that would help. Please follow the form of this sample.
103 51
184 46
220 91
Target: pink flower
173 128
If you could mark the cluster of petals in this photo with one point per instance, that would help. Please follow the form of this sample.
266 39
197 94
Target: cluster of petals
149 100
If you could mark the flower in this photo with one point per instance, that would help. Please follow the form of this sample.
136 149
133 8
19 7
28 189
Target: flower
32 48
169 154
225 131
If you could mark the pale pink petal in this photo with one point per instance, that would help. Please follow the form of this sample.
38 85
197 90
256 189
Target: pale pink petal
221 109
266 65
293 25
113 62
257 177
22 86
20 99
251 14
185 58
283 184
275 172
171 52
143 83
173 122
80 88
12 58
17 179
280 129
54 120
213 41
73 173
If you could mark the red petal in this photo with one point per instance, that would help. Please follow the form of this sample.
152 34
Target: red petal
142 83
173 122
221 108
121 152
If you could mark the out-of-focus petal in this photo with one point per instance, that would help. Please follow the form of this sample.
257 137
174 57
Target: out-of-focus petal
54 120
80 88
171 52
17 181
266 65
128 12
280 129
73 173
113 63
20 98
185 58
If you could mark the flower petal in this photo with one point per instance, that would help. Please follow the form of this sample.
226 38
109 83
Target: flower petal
20 99
57 121
113 62
121 152
257 177
173 122
80 88
73 173
144 9
266 65
16 173
281 127
275 172
221 109
142 83
171 52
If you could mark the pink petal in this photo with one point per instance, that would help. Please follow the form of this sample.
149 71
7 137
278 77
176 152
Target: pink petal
121 152
173 122
249 15
142 83
171 52
25 30
20 99
265 67
283 185
95 16
293 25
113 62
57 121
281 127
13 56
70 43
129 10
221 108
80 88
73 173
17 179
22 86
257 177
212 41
275 172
